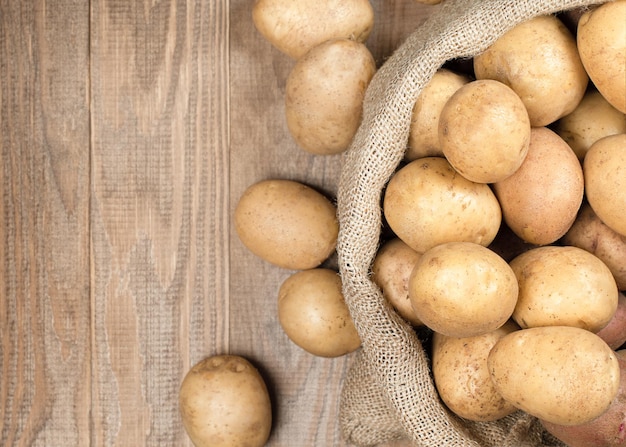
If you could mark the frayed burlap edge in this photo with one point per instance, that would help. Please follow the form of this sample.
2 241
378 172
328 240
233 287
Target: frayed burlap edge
388 393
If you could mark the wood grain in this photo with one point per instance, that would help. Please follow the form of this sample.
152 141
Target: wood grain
45 309
128 131
159 213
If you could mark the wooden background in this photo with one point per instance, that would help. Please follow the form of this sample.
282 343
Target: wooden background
128 131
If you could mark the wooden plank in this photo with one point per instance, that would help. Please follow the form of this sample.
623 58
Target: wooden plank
44 234
128 132
159 209
305 389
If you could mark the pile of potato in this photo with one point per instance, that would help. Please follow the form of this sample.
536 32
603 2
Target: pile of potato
506 220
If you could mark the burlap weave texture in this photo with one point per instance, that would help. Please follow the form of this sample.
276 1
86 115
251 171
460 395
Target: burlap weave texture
389 393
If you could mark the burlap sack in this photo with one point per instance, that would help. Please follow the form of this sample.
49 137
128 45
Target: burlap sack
389 393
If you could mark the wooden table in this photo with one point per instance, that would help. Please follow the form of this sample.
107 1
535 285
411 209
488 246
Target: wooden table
129 129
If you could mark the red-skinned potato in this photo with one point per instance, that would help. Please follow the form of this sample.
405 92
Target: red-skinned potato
590 233
614 333
540 203
608 430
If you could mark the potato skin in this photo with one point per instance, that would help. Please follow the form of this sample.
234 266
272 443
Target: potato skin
593 119
605 183
224 402
462 377
287 223
314 315
614 333
391 271
427 203
424 131
296 26
607 430
324 95
539 60
590 233
462 289
601 40
561 374
563 286
539 203
484 131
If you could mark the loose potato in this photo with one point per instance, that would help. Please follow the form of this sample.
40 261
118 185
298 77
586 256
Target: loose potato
296 26
539 202
560 374
605 180
324 95
314 315
607 430
287 223
601 40
563 286
224 402
614 333
484 131
462 289
391 270
427 203
424 131
590 233
594 118
539 60
462 377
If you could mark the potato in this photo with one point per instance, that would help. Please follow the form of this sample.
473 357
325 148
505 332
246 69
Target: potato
601 40
594 118
314 315
427 203
484 131
224 402
607 430
287 223
614 333
605 180
560 374
462 289
324 95
590 233
462 377
296 26
539 60
424 131
563 286
391 270
539 202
